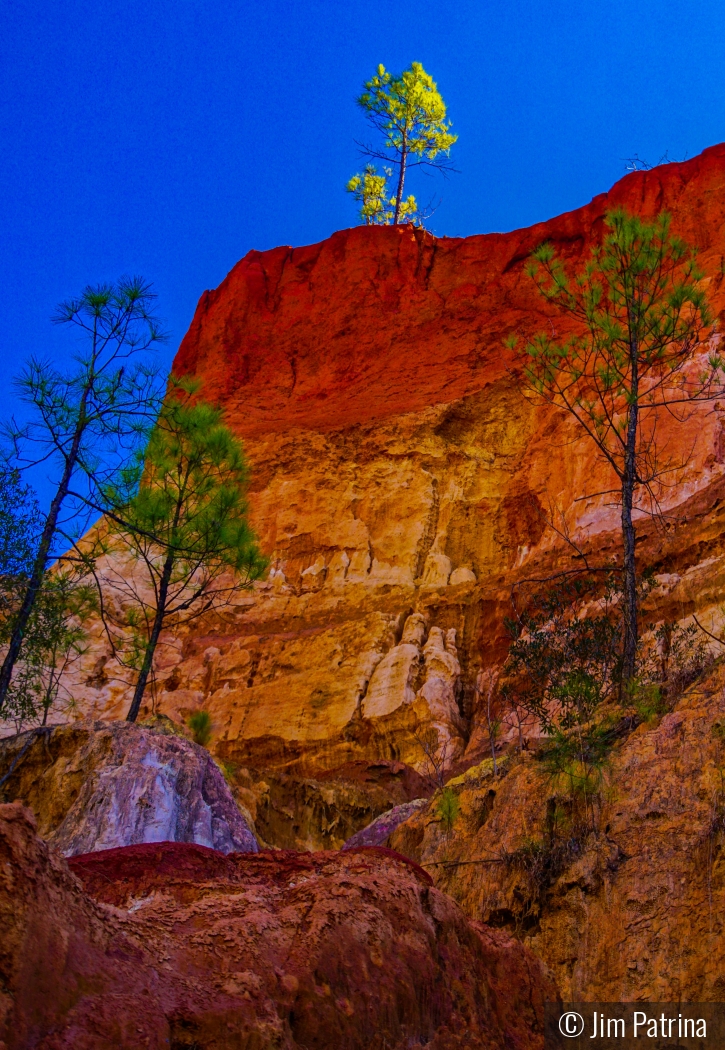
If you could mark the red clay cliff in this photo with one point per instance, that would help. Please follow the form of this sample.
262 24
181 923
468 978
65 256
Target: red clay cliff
378 321
401 484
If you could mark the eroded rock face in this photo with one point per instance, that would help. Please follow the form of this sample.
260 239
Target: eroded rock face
402 485
428 673
392 681
159 946
633 911
294 812
97 786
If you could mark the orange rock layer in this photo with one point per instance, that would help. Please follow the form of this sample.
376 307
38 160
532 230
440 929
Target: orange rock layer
402 483
631 911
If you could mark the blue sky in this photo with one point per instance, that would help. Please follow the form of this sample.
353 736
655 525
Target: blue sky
169 137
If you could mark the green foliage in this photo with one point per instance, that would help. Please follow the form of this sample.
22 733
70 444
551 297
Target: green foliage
639 313
409 114
83 424
562 665
90 420
57 634
448 807
179 516
371 191
576 760
54 635
376 205
201 727
229 770
188 491
54 639
409 110
647 699
21 522
563 659
641 287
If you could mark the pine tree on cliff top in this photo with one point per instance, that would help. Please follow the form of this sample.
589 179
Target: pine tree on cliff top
639 352
410 115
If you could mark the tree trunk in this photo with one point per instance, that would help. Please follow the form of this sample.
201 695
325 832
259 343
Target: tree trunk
629 569
148 658
401 182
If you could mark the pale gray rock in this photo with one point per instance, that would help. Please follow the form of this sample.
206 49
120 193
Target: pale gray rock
380 829
154 788
99 785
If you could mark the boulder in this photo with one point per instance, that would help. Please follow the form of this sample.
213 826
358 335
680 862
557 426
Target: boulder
100 785
379 830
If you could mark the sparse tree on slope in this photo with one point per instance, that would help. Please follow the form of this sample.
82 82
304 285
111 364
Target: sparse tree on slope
638 353
179 519
54 634
410 115
83 424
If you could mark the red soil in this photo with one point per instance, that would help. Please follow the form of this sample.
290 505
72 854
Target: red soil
175 946
376 321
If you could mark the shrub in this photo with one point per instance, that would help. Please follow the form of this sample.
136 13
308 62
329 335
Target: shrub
647 699
200 725
448 808
563 659
576 761
230 771
541 862
563 665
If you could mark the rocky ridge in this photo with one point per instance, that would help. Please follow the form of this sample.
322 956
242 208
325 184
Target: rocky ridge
159 946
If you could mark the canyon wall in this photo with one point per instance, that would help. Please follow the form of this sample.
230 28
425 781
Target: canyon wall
629 911
402 484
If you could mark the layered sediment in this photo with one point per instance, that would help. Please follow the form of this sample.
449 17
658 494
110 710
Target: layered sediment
404 488
402 483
